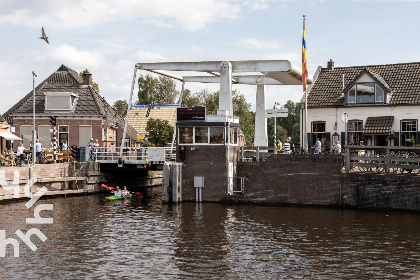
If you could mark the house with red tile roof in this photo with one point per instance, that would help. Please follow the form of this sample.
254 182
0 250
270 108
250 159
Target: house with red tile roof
381 104
81 113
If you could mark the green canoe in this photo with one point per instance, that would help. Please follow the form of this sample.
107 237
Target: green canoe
113 197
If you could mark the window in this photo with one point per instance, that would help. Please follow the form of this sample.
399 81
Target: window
85 134
186 135
63 134
355 128
379 95
201 135
26 134
365 93
60 101
408 132
352 95
318 131
45 136
318 127
217 135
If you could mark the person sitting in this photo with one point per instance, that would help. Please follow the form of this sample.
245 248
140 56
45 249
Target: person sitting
64 146
361 152
117 191
125 192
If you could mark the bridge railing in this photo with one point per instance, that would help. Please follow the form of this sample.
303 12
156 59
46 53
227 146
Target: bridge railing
257 153
134 155
381 159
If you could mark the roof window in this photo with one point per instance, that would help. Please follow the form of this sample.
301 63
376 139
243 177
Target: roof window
60 101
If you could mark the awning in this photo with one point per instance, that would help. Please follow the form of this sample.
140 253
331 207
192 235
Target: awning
7 135
378 125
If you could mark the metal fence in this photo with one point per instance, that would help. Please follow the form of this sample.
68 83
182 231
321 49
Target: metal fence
134 155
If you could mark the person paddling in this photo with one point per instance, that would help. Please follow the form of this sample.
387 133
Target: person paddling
117 191
125 192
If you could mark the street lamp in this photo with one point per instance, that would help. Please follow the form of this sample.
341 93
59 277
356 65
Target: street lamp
33 122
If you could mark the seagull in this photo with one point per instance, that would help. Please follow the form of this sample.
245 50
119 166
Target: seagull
44 36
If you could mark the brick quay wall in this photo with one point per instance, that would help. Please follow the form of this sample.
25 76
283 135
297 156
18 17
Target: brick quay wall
317 180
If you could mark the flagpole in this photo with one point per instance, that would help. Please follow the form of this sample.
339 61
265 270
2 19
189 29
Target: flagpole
304 77
306 122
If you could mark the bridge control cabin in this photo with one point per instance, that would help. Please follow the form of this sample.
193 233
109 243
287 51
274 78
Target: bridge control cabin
208 147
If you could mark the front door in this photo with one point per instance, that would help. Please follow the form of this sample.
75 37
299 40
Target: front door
381 140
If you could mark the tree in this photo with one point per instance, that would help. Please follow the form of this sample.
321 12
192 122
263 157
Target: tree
288 126
159 131
241 109
121 106
92 83
189 99
160 90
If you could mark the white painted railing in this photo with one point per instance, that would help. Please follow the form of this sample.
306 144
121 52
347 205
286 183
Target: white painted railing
133 155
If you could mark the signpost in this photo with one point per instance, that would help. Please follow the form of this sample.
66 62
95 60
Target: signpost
275 113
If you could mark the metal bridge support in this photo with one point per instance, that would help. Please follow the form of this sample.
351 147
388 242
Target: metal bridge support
172 182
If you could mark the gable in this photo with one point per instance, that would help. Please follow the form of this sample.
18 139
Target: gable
364 78
400 79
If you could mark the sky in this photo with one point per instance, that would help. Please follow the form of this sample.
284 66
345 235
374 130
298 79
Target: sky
108 37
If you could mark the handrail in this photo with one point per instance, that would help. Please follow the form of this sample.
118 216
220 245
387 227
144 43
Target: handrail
133 155
259 153
387 158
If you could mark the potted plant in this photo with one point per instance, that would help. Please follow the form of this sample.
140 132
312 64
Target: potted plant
393 136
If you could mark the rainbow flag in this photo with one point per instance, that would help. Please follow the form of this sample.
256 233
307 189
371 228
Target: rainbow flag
304 58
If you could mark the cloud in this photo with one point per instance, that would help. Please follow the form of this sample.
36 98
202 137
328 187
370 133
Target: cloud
259 44
189 15
76 58
148 56
295 58
259 5
11 86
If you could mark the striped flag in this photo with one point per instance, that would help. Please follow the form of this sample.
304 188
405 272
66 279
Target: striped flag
304 58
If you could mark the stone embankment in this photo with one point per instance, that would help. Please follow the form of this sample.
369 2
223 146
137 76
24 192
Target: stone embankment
58 179
318 180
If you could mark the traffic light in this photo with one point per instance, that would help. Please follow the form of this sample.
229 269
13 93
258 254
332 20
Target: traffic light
182 153
74 151
53 120
148 110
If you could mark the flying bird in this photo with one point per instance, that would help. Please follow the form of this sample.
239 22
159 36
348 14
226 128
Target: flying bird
44 36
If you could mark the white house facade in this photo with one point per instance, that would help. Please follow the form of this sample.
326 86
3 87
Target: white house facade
381 104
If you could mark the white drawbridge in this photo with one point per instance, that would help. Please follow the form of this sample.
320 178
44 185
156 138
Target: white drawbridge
226 73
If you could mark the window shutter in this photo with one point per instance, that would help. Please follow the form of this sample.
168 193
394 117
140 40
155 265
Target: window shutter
328 144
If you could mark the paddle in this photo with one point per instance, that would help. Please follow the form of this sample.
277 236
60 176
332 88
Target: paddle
109 188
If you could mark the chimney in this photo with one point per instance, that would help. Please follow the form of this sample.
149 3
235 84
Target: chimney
87 79
330 65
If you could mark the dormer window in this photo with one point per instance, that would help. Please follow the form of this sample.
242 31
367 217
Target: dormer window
365 93
60 101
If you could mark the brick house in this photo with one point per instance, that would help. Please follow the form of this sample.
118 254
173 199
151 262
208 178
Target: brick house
81 113
382 103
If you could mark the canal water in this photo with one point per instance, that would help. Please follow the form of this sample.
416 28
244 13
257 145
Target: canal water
91 238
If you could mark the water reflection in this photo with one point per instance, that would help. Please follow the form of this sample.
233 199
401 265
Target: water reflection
143 239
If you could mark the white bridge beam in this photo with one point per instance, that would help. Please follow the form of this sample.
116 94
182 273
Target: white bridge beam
245 80
261 73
